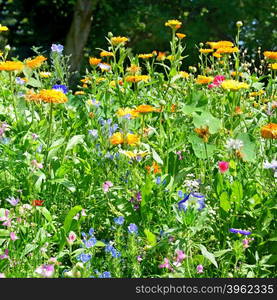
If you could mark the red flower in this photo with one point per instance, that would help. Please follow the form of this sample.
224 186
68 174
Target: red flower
37 202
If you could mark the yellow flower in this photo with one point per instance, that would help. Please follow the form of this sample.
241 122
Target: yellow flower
117 138
204 51
145 56
220 44
234 85
100 79
184 74
106 54
269 131
256 94
227 50
161 56
203 79
93 61
36 62
270 55
170 57
116 40
45 74
132 139
49 96
134 154
217 55
173 24
79 93
145 108
127 112
137 78
11 66
3 28
181 35
273 66
236 73
134 69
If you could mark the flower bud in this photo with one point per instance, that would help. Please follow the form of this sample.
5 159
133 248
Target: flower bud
239 24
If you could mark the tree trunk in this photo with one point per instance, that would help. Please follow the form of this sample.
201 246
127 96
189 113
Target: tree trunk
77 36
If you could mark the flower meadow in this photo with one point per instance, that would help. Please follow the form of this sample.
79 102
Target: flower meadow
147 170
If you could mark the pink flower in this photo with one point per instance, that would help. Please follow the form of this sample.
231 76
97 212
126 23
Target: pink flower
106 186
71 237
13 236
200 269
46 271
139 258
2 275
166 264
5 255
37 164
179 153
217 81
223 166
179 259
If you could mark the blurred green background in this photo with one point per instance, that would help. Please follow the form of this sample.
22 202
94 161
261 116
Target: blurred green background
81 25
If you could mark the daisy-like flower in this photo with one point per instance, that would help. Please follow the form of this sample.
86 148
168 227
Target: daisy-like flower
137 78
49 96
181 35
134 69
93 61
135 155
145 56
11 66
116 40
145 108
234 85
269 131
36 62
206 51
106 54
203 79
128 113
270 55
234 144
173 24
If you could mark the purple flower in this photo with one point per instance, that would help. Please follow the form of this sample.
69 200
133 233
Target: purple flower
106 186
60 87
93 132
34 136
119 220
5 255
57 48
166 265
19 81
240 231
200 269
91 232
194 200
132 228
46 271
13 201
13 236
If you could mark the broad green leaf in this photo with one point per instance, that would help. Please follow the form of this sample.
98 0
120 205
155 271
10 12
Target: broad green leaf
76 139
207 119
248 149
34 83
55 147
45 212
157 157
199 149
208 255
237 191
28 248
4 232
68 219
100 244
151 238
224 201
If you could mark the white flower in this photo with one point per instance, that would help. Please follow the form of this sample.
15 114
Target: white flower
233 144
272 165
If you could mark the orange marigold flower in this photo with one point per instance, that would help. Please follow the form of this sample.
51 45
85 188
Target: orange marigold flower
117 138
220 44
217 55
49 96
106 54
161 56
173 24
137 78
205 51
203 133
273 66
134 69
145 56
270 55
132 139
227 50
181 35
125 112
11 66
93 61
269 131
155 168
145 108
116 40
36 62
203 79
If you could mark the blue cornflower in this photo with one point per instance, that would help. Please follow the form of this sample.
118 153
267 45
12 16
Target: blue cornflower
194 200
19 81
119 220
105 275
83 257
180 194
90 243
115 253
93 132
57 48
158 180
91 232
109 248
133 228
244 232
60 87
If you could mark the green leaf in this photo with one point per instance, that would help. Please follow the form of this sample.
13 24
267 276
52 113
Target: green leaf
207 119
68 219
76 139
208 255
156 157
198 147
100 244
55 147
4 233
28 248
248 149
151 238
146 191
45 212
237 191
224 201
34 83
